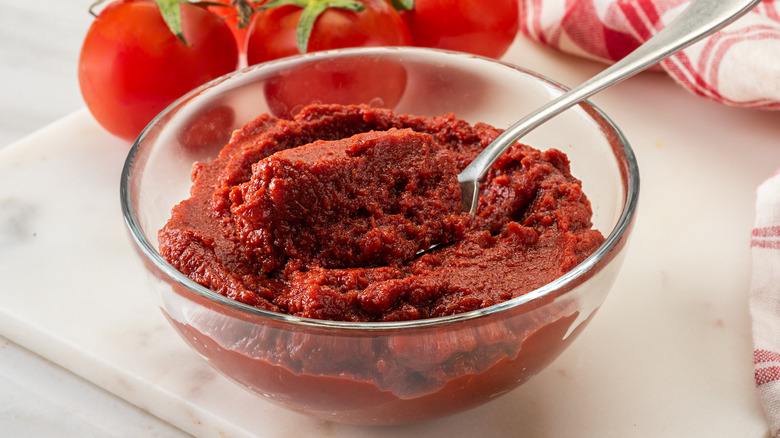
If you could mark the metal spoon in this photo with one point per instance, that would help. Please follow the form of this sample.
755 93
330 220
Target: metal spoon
701 18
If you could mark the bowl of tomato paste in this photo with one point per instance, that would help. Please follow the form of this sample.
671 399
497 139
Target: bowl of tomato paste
301 224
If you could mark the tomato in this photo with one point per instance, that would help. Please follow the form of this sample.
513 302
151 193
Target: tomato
482 27
132 66
273 31
371 81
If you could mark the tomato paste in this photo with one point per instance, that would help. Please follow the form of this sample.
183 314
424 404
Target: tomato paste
323 216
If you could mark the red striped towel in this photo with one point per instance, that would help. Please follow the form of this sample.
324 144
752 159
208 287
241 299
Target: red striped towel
765 298
738 66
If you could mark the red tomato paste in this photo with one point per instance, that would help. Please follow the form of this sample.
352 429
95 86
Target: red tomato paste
322 216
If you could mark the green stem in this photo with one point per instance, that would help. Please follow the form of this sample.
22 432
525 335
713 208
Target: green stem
312 9
171 14
402 5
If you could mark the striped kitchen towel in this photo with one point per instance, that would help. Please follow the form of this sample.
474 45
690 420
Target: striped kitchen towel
738 66
765 299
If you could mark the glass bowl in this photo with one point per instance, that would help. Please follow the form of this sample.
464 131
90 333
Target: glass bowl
394 372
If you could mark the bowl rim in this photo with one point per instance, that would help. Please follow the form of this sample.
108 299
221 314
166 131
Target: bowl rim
612 241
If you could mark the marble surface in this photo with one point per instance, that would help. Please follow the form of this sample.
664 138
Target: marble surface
86 353
38 86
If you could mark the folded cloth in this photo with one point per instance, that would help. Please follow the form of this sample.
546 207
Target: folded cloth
765 299
738 66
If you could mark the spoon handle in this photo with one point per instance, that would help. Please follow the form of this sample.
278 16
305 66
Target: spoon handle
699 19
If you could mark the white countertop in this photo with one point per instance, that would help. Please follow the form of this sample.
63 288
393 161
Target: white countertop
669 354
38 85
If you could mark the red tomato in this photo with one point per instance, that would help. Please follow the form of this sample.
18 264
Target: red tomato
482 27
375 82
131 66
273 32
